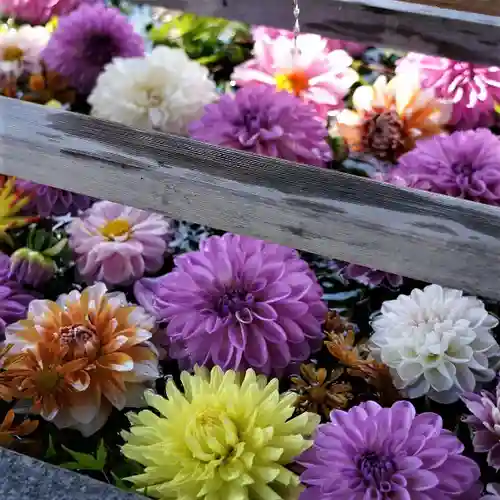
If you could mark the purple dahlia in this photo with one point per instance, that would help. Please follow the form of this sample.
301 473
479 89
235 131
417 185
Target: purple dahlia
366 275
238 303
485 423
47 201
259 119
375 453
465 164
14 299
88 39
473 90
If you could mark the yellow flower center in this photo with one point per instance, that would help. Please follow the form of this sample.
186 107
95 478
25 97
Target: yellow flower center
115 229
13 53
295 81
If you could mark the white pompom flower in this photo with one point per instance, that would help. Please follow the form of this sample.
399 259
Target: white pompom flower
164 90
436 342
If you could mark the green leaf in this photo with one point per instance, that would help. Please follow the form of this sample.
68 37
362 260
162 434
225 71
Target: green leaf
71 466
120 483
86 461
51 451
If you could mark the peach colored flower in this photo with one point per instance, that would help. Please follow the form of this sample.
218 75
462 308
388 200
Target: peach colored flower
111 337
9 431
389 117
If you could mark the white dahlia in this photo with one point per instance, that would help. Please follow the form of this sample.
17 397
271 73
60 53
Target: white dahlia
436 342
164 90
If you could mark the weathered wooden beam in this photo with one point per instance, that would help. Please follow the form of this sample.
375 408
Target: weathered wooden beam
490 7
382 23
414 233
23 478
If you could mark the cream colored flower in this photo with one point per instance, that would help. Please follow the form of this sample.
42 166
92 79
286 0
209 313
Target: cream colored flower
165 90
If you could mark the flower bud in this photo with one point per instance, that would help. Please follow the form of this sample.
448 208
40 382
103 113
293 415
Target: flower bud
31 267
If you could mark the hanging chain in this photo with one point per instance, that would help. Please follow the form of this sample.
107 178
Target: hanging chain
296 27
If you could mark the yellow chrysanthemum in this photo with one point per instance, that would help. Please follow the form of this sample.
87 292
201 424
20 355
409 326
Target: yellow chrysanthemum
11 203
228 436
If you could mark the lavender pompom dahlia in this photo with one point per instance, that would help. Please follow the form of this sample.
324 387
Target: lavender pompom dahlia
262 120
88 39
485 423
47 201
379 453
238 303
14 299
465 164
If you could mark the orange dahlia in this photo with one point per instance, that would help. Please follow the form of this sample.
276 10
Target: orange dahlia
103 334
389 117
9 432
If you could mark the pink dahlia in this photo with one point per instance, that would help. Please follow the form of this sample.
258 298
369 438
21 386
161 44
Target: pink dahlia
472 89
238 303
316 74
353 48
118 244
261 120
39 11
485 423
375 453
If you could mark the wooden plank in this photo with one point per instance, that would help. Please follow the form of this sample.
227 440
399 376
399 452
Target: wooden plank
489 7
382 23
414 233
24 478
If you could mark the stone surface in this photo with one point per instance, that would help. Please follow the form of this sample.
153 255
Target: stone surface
23 478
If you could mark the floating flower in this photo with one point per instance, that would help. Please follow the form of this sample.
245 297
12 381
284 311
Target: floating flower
165 90
367 276
436 342
14 299
238 303
390 117
267 122
227 436
320 392
353 48
20 50
474 90
47 201
44 88
86 40
492 492
118 244
485 423
315 73
39 11
97 343
386 453
464 165
9 432
12 201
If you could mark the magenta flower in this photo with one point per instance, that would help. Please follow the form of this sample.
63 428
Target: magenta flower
370 452
472 89
260 119
465 164
485 423
14 299
366 275
238 303
316 74
118 244
88 39
352 48
39 11
47 201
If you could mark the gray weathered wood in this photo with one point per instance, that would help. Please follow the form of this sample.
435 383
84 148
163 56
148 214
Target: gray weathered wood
414 233
383 23
23 478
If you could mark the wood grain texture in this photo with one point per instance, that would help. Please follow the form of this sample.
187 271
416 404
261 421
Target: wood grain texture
23 478
382 23
417 234
490 7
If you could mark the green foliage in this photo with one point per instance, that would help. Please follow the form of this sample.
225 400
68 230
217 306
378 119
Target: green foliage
86 461
211 41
